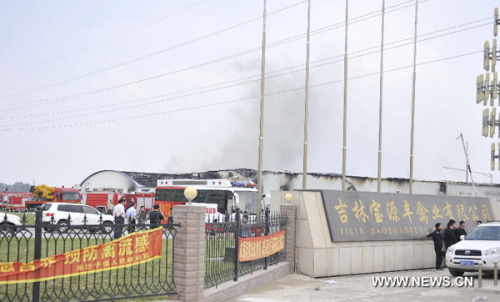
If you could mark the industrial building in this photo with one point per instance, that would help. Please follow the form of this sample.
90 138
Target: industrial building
124 181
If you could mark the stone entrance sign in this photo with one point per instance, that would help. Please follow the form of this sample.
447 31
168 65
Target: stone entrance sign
365 216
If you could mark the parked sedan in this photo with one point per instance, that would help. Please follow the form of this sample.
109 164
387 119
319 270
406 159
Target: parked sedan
60 213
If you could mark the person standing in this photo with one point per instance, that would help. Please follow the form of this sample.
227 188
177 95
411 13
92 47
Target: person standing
156 217
130 215
437 237
245 227
461 230
479 222
119 214
449 235
141 216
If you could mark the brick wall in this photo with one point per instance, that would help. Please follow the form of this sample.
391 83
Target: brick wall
189 252
189 259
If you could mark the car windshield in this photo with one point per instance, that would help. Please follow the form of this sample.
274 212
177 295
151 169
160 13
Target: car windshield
485 233
71 196
46 206
248 201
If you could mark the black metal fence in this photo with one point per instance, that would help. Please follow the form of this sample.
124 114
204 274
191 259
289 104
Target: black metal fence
221 246
23 241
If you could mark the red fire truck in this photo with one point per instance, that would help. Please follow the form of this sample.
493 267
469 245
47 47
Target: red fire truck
14 200
106 200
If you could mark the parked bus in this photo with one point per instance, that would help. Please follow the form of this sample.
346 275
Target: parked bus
220 197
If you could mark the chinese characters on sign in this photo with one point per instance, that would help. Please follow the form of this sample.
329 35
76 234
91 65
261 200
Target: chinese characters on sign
363 216
130 250
261 247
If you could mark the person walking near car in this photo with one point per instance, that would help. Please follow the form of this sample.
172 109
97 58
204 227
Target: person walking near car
130 215
461 231
156 217
119 214
449 234
437 237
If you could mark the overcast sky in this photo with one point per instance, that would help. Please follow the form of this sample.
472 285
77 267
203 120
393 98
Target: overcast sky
66 113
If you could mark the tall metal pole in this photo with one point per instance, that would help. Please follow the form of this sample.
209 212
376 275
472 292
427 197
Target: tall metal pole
344 144
262 94
467 167
380 106
413 97
306 112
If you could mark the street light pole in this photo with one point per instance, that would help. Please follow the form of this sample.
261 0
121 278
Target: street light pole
379 171
413 97
306 111
262 95
344 137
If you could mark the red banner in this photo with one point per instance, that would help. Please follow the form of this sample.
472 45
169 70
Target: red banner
127 251
261 247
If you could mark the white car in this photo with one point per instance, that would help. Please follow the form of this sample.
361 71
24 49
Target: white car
11 219
12 223
481 245
59 213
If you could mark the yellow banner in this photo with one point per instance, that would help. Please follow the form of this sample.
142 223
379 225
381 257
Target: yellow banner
261 247
127 251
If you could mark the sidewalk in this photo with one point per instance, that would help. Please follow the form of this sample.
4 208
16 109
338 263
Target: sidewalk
360 288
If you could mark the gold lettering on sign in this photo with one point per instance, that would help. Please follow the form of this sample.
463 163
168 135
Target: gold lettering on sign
484 212
408 212
375 210
461 212
359 211
472 210
392 212
341 210
422 212
447 211
436 212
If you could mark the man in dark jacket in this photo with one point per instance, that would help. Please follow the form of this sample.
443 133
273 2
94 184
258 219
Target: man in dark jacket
437 237
155 217
461 230
449 235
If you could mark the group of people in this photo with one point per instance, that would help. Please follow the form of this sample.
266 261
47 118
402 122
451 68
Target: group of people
130 215
449 237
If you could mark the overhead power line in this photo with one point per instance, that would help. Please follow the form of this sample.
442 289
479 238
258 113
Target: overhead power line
272 74
277 43
102 41
52 100
128 118
152 54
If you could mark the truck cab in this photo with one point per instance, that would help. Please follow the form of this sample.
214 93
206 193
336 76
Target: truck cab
69 195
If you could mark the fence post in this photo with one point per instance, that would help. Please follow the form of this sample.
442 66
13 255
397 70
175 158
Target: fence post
37 251
266 216
236 243
189 252
290 211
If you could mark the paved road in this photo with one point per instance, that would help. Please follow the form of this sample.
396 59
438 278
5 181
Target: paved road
360 288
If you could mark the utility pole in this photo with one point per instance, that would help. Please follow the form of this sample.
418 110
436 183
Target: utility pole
379 170
412 143
306 111
344 136
468 163
262 95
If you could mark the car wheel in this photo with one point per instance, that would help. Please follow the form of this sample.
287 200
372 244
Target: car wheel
456 273
63 226
107 227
